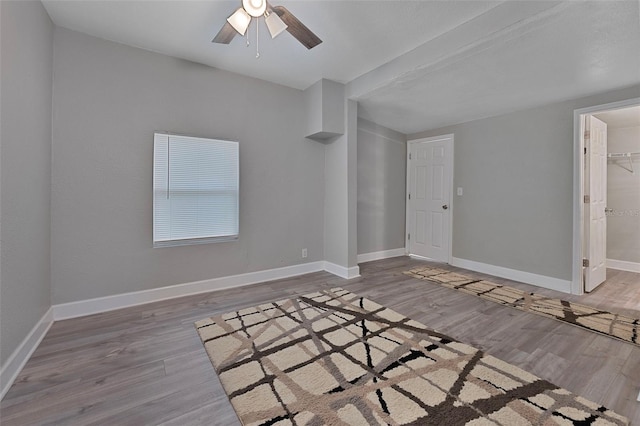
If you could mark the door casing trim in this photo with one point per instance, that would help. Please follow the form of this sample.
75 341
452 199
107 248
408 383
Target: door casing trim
577 283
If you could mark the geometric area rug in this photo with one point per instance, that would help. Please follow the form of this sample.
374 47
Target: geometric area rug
334 358
614 325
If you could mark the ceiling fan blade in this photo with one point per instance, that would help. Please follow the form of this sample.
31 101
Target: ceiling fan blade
297 29
225 35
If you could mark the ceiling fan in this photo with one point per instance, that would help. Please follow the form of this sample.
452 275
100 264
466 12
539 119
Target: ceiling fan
277 18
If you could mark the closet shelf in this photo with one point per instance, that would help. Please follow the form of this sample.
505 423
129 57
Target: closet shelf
628 155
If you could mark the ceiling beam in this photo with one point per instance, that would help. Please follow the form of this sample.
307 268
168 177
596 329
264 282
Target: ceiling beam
504 22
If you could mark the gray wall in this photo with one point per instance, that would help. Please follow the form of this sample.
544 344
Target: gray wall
25 150
335 202
623 195
517 173
382 178
340 206
108 100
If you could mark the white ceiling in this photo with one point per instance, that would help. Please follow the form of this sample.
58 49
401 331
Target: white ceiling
412 65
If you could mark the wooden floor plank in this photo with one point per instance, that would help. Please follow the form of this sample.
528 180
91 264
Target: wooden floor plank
146 364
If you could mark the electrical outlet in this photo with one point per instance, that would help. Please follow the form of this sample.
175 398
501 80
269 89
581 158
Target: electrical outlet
459 190
304 253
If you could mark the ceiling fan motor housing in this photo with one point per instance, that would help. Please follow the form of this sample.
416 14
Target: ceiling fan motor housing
255 8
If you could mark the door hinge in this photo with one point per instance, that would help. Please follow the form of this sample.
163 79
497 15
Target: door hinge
409 156
408 236
585 263
587 135
587 199
585 150
409 195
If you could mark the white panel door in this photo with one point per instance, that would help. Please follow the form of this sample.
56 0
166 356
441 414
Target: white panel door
429 198
594 211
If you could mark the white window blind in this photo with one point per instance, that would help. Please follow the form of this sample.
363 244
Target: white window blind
195 190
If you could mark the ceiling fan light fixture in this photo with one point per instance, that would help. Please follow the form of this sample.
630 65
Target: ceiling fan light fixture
240 20
277 18
275 24
255 8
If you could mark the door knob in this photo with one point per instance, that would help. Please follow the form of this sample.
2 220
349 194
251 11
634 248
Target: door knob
445 207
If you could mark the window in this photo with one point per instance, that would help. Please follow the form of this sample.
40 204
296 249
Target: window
195 190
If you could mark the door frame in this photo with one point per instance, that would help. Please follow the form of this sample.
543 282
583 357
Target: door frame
450 164
577 282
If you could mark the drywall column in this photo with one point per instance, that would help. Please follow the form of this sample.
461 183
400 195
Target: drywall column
332 119
351 123
340 211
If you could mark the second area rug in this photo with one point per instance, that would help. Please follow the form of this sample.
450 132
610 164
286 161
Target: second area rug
334 358
615 325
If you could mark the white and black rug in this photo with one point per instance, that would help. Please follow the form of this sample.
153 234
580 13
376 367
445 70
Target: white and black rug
334 358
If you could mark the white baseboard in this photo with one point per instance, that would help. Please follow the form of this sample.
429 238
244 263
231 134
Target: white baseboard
415 256
81 308
23 352
341 271
623 265
119 301
378 255
515 275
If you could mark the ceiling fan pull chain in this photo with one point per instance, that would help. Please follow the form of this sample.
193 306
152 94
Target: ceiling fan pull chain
257 43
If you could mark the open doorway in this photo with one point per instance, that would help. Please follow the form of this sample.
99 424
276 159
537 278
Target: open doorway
606 192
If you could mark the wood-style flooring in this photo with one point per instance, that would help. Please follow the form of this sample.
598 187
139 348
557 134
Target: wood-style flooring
146 365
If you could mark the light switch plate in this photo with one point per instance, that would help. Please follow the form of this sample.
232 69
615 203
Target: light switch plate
459 190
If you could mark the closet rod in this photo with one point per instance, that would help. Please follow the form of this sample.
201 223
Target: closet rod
627 155
621 154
